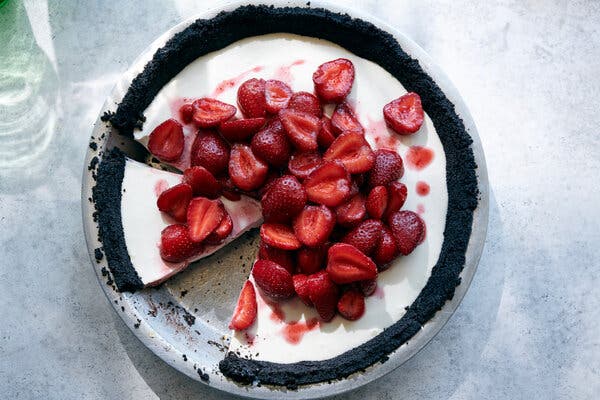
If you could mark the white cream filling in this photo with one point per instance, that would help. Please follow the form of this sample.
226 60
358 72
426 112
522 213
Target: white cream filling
294 59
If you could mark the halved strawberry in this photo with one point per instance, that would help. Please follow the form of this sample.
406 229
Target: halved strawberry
325 137
351 305
368 287
251 98
284 199
377 202
333 80
274 280
277 95
408 229
311 260
203 217
388 167
365 236
239 130
247 172
344 120
245 310
352 150
281 257
174 201
301 128
186 113
221 232
351 212
405 114
386 250
301 165
166 140
272 176
314 225
306 102
347 264
210 151
211 112
397 193
230 192
323 294
203 183
272 145
328 185
302 289
176 245
279 236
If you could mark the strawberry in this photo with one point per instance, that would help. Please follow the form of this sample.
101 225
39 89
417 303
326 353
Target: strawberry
277 95
301 128
203 217
408 229
279 236
351 305
328 185
230 192
405 114
386 250
174 201
333 80
203 183
247 172
239 130
272 145
311 260
210 151
377 202
245 310
176 245
273 279
388 167
166 140
397 193
325 137
365 236
251 98
221 232
368 287
314 225
281 257
352 150
284 199
351 212
302 289
323 294
301 165
347 264
344 120
186 113
306 102
211 112
272 176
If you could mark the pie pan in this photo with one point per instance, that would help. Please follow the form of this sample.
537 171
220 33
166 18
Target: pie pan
184 321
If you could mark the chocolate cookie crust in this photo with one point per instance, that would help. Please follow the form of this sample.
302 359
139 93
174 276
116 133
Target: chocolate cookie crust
367 41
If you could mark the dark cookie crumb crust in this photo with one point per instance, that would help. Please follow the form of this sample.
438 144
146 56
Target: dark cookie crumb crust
367 41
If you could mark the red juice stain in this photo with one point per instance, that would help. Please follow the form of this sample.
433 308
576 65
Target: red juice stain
175 106
383 139
231 83
294 331
420 209
284 74
160 186
419 157
379 293
249 338
422 188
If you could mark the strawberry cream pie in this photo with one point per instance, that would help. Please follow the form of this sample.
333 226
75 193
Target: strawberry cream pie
319 131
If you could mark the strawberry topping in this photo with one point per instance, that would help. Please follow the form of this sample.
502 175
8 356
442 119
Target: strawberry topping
365 236
388 167
174 201
239 130
352 212
284 199
301 165
203 183
397 193
245 310
352 150
405 114
211 152
221 232
344 120
281 257
302 288
247 172
408 229
277 95
351 305
311 260
176 244
333 80
211 112
328 185
279 236
307 103
274 280
314 225
347 264
203 217
301 128
377 202
166 141
323 294
272 145
251 98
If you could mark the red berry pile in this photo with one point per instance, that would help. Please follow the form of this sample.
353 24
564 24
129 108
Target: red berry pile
331 204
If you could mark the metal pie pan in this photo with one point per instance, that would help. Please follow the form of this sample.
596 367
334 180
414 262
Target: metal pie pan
184 320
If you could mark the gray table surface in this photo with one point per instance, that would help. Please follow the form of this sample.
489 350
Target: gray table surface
528 327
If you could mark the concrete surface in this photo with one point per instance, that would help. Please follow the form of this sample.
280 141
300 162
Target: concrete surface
529 326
